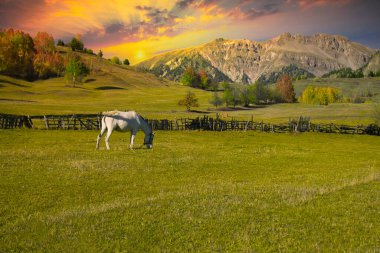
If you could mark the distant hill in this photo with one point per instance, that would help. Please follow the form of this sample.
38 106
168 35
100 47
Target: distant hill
246 61
373 65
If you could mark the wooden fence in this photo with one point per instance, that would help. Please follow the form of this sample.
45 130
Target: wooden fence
93 122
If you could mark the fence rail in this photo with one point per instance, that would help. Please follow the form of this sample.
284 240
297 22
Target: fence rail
93 122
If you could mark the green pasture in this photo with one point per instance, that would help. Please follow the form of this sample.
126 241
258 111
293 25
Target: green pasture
195 191
123 88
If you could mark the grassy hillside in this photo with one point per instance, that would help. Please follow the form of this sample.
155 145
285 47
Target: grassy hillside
124 88
277 192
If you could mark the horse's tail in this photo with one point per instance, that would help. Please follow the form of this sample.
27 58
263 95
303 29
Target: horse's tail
102 130
104 122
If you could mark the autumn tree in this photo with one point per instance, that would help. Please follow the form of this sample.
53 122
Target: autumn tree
320 95
190 78
189 101
16 54
285 89
204 80
126 62
47 61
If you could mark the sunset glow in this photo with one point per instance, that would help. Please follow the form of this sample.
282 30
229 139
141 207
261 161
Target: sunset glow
138 30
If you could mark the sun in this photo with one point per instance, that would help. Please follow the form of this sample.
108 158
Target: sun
140 55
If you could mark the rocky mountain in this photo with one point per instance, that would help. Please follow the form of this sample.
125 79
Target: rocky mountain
246 61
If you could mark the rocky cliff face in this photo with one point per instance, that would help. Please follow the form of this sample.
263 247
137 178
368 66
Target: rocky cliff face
247 61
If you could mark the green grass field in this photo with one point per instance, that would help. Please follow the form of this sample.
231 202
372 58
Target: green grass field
125 89
195 191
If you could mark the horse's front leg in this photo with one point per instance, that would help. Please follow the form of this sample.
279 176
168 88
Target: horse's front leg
133 135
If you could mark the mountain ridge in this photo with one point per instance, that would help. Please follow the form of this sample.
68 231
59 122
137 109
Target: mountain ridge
247 61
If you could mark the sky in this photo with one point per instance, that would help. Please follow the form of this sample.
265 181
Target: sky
140 29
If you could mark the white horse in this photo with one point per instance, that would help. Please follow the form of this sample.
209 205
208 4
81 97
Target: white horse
125 121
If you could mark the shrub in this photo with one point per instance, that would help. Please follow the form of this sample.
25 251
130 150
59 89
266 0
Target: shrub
116 60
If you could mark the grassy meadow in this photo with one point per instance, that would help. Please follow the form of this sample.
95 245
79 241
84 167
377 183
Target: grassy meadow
195 191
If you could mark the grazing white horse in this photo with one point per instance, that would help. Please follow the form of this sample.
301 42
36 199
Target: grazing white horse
125 121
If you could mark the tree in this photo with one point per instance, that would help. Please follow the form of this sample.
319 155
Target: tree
60 43
285 89
190 78
76 70
232 94
320 95
248 95
47 61
189 101
204 81
16 54
116 60
126 62
100 54
216 100
76 44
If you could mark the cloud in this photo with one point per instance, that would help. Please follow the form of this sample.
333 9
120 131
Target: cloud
306 4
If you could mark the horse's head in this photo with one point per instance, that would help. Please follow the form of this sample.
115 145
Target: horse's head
148 141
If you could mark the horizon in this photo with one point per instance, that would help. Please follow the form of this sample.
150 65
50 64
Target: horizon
140 30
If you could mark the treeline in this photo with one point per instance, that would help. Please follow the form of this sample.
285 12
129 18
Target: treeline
37 58
32 58
258 93
349 73
292 70
29 58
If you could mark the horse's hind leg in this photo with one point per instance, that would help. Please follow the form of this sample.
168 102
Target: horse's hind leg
100 136
109 132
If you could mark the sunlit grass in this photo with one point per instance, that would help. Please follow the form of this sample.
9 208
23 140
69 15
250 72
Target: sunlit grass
195 191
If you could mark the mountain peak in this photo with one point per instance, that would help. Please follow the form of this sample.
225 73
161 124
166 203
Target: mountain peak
247 61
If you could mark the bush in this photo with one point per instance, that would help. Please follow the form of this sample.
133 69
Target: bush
116 60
